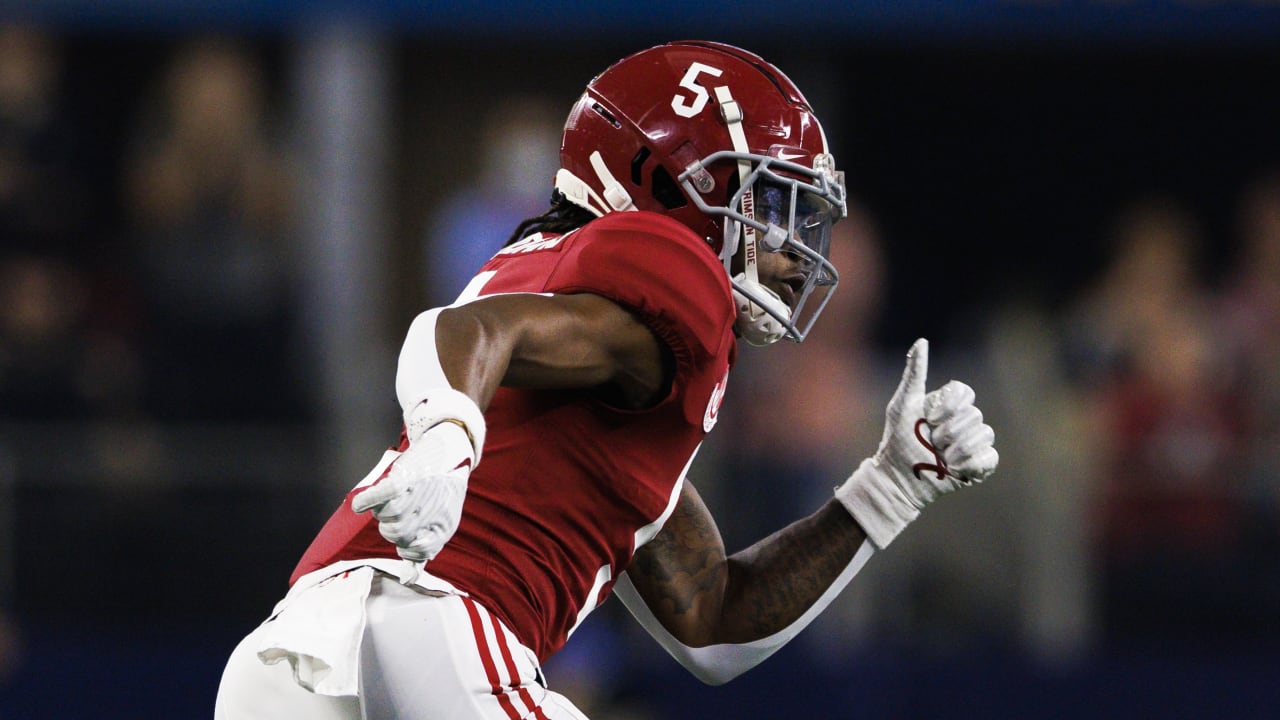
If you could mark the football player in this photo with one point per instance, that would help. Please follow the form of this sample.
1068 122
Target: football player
552 412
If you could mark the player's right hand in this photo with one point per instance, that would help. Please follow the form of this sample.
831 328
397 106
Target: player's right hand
418 502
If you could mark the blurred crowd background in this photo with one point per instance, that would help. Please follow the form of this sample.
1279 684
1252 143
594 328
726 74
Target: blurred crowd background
215 227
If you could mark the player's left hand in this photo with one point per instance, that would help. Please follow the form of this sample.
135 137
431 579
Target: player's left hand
933 443
418 502
963 442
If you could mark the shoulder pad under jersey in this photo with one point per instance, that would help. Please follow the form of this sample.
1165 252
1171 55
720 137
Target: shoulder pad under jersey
657 268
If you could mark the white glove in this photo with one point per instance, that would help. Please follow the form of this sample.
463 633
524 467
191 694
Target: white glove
418 501
932 445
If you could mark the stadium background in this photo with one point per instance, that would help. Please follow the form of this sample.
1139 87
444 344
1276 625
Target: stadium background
159 477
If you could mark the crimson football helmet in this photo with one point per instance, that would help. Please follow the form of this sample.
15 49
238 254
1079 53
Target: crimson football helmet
721 140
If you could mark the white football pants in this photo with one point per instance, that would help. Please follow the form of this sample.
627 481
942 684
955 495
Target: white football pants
422 657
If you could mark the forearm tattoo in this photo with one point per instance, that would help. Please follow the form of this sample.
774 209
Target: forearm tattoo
684 564
703 596
773 582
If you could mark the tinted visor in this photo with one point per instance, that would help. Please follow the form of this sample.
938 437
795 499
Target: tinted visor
807 216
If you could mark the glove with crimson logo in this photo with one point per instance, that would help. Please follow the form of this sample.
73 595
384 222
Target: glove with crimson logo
933 443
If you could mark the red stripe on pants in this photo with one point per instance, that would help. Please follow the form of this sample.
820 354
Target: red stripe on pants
515 675
486 658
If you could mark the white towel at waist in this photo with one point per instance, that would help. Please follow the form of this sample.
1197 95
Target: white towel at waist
319 624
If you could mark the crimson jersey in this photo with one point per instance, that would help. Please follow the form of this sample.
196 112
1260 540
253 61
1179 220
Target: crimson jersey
568 486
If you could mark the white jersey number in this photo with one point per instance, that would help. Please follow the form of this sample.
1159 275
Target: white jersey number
687 107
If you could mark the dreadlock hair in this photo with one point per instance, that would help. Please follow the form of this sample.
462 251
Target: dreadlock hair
560 218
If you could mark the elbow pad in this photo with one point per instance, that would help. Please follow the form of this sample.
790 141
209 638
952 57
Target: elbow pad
426 397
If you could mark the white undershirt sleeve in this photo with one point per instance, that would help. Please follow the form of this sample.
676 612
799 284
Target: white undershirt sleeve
718 664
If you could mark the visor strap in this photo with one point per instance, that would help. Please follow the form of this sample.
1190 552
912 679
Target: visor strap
731 111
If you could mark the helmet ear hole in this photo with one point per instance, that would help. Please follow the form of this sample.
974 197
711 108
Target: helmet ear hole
637 165
666 190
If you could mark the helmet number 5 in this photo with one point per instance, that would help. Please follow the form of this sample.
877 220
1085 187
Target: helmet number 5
688 107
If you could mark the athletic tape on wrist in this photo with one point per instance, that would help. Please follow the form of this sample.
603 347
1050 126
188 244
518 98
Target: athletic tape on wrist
446 405
877 503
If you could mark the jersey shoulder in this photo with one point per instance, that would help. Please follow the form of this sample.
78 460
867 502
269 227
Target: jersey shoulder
657 268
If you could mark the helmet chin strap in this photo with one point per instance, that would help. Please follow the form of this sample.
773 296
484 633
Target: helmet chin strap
756 324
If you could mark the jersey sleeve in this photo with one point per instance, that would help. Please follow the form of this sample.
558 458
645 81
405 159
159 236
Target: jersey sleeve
658 269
